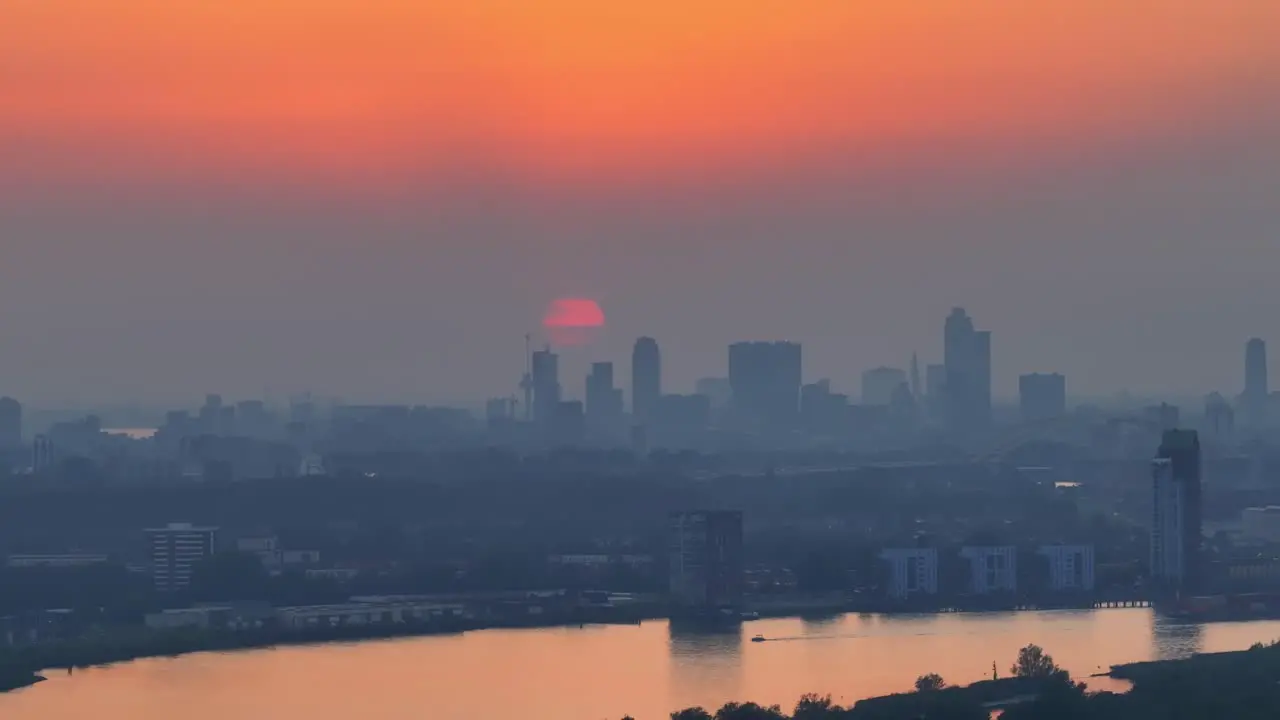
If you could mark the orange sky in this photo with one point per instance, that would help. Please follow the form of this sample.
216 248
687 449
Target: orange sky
582 88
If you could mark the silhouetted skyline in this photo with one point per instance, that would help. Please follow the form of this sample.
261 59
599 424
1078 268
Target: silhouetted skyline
831 173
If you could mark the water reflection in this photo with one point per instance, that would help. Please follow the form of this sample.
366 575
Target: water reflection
702 640
1172 639
704 656
819 624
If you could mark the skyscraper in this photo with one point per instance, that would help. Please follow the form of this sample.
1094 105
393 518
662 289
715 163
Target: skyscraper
967 357
766 377
1176 511
646 378
1254 398
10 424
705 561
604 402
1042 396
546 385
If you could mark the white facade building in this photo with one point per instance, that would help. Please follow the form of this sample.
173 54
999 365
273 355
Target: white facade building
992 569
175 551
912 571
1070 566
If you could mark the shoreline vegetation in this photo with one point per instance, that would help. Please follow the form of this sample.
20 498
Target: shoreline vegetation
1240 685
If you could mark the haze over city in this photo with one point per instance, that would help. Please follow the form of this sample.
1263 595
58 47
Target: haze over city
378 202
639 359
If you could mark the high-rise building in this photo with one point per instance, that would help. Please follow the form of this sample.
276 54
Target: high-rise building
41 455
1042 396
568 424
992 569
967 357
912 571
176 550
1254 398
824 412
706 562
10 424
1219 418
545 378
766 377
604 401
1071 567
879 385
646 378
1176 512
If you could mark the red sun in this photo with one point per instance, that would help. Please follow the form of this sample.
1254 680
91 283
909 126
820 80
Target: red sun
572 321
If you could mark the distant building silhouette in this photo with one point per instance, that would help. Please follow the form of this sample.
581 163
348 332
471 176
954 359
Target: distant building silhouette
604 402
718 389
879 385
967 356
568 424
1163 416
823 412
1256 390
1042 396
646 378
766 377
545 377
41 455
10 424
917 390
1176 512
935 384
1219 418
706 563
686 413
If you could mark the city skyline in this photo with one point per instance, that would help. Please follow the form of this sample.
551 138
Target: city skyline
583 356
294 208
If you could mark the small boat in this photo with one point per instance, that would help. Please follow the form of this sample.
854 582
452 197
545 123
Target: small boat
758 638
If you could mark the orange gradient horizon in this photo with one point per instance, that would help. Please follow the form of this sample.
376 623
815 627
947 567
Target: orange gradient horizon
348 92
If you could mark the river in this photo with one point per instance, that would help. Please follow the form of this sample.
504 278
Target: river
605 672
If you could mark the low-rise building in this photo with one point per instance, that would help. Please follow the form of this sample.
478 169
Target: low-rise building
63 560
345 614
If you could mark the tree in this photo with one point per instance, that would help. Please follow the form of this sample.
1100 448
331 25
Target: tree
930 683
696 713
1034 662
749 711
814 707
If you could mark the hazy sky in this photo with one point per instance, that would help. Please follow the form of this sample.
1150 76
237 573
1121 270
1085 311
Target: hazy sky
378 199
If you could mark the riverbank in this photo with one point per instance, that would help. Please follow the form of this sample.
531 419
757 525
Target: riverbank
109 646
18 680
